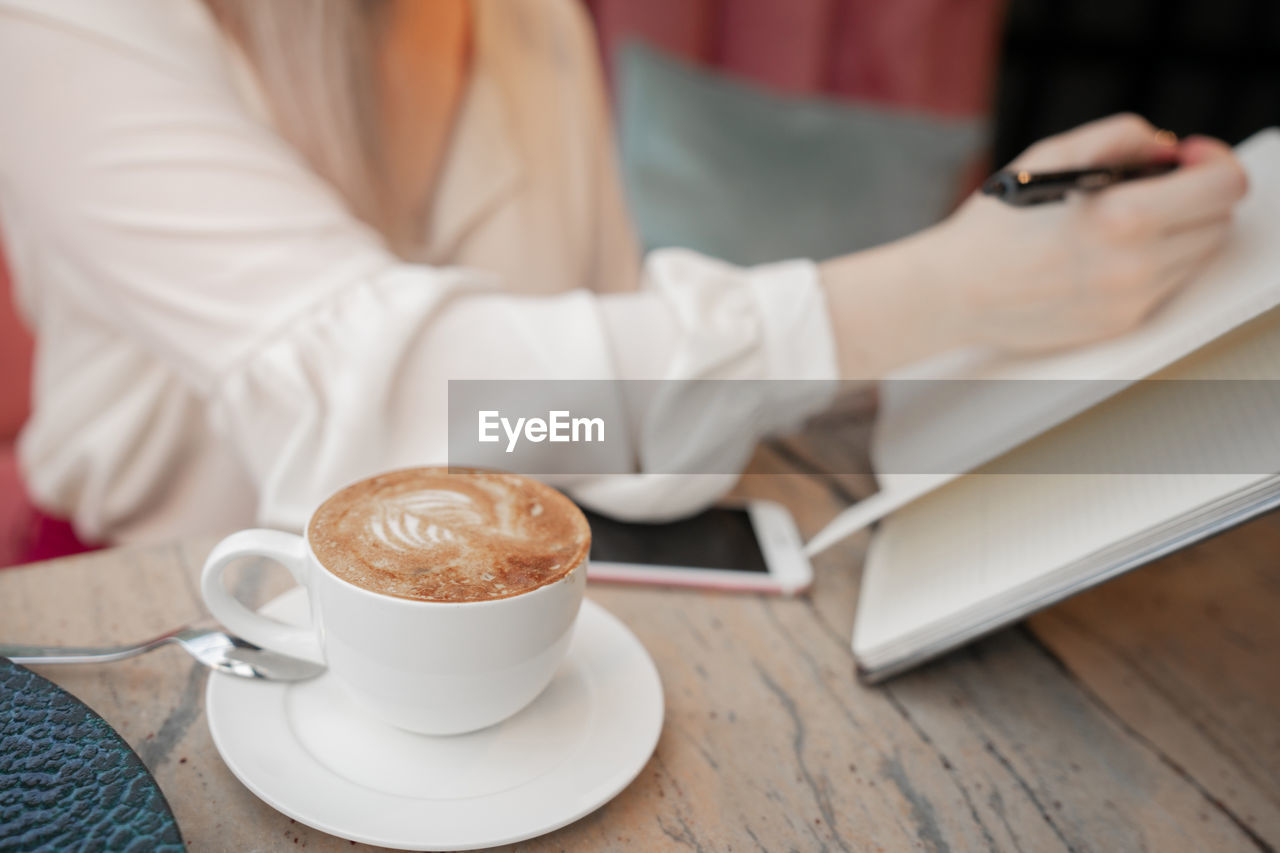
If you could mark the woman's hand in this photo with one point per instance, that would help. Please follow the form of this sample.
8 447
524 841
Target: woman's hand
1095 266
1051 276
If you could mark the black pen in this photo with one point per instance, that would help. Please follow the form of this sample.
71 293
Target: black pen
1023 189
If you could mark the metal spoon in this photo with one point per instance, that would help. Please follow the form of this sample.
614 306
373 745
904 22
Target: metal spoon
215 649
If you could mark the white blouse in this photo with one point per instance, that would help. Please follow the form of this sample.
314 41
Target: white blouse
220 343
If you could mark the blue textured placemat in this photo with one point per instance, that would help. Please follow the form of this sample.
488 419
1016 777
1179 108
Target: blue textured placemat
67 780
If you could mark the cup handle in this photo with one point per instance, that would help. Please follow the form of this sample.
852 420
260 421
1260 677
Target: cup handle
286 549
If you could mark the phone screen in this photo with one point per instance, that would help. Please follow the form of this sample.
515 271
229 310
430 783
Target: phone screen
718 538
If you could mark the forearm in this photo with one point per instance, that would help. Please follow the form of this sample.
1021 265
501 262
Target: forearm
889 306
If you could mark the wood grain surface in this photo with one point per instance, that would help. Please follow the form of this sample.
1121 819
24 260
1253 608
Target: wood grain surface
1142 715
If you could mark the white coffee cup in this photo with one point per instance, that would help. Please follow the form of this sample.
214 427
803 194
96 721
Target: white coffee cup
427 666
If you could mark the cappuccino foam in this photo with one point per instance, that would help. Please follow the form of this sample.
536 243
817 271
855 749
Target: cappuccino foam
439 534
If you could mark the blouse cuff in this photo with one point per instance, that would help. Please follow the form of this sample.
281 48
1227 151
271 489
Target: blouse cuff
798 341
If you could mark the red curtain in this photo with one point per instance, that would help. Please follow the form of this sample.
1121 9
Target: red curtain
932 55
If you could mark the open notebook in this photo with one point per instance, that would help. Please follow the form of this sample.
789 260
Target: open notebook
965 546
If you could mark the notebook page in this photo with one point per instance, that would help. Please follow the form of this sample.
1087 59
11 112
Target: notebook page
985 533
924 421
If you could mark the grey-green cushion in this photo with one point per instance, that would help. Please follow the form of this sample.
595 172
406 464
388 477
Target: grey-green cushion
727 169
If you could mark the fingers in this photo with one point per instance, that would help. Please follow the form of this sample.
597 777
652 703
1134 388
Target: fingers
1136 283
1195 150
1183 254
1207 186
1115 139
1183 257
1147 282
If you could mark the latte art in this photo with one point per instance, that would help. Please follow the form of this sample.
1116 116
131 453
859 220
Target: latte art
438 535
421 519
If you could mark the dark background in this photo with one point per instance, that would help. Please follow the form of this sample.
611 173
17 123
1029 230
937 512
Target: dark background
1192 66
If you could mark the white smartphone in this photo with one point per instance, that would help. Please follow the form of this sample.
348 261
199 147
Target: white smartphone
753 546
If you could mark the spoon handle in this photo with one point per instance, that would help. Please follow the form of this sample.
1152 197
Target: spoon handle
76 654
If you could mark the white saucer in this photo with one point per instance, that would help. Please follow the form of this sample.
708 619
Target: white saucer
306 750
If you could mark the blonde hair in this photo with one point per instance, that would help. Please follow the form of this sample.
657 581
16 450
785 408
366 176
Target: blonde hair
315 62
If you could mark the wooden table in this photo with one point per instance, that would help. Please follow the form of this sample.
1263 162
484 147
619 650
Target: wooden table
1144 714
